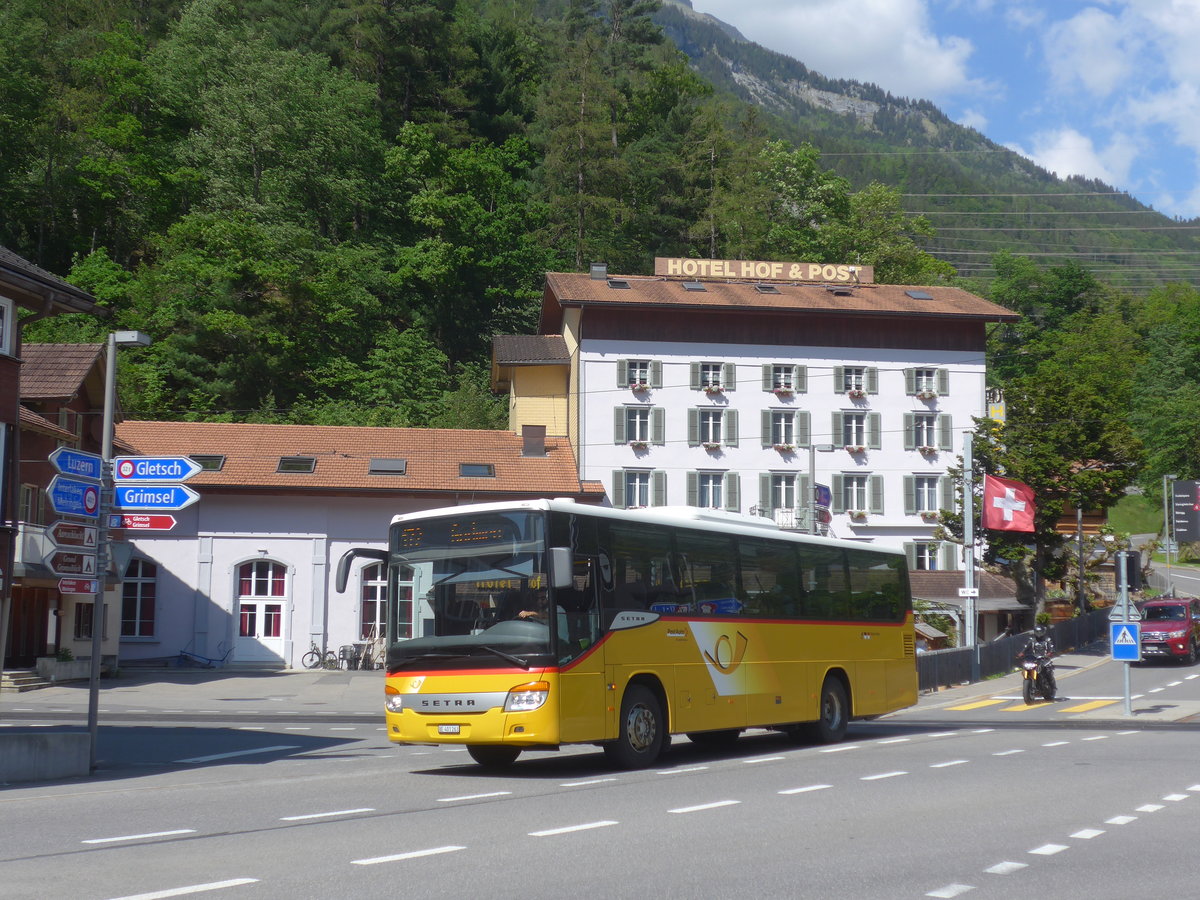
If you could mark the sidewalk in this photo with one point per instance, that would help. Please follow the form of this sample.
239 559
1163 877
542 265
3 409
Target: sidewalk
222 692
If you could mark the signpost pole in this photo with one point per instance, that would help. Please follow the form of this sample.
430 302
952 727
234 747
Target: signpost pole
1123 587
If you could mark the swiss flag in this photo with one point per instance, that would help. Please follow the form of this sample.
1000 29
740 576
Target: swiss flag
1007 504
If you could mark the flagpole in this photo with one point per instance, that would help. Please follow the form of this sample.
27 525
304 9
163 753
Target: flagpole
969 638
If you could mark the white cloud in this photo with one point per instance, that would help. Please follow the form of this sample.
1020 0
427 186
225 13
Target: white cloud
888 42
1093 50
1066 151
972 118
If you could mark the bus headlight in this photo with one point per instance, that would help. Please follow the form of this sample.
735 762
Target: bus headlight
393 700
527 697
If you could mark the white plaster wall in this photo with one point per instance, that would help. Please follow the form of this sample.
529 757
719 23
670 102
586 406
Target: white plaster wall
599 394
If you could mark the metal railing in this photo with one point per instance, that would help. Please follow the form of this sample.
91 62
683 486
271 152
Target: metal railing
946 668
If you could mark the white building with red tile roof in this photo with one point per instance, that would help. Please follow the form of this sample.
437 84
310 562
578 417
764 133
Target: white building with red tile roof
742 389
246 575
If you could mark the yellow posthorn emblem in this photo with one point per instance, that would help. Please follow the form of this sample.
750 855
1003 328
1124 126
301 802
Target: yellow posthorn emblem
727 656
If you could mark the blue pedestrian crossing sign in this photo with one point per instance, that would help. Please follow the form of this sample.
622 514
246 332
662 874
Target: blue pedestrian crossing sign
1126 642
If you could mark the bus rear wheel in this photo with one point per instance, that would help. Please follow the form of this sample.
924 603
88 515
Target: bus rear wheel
834 711
493 757
641 730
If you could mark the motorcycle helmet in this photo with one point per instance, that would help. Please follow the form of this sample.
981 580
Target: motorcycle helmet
1039 631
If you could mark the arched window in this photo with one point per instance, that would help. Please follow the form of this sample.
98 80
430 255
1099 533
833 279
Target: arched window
262 588
373 603
138 595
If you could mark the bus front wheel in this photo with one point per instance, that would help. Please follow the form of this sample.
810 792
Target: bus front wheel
641 730
493 757
834 712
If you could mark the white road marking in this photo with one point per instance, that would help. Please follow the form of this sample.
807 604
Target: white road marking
1049 849
1120 820
948 763
1006 868
1123 733
190 889
1155 690
1056 743
1097 737
1175 684
704 806
1194 787
983 731
951 890
1175 798
1190 677
839 749
684 769
231 755
895 741
586 783
398 857
473 797
1007 752
344 728
942 734
139 837
1151 807
298 728
251 727
758 759
326 815
1088 833
882 775
550 832
805 790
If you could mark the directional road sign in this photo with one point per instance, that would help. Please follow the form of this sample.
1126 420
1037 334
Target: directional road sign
152 469
72 497
74 534
71 562
1125 639
78 586
77 463
823 495
142 522
153 496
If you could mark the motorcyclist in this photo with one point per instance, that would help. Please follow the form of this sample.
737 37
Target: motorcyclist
1040 646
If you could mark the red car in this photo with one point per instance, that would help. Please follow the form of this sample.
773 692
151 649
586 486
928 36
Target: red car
1171 629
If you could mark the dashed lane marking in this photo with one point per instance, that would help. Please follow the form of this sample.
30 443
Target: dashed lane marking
1085 707
979 704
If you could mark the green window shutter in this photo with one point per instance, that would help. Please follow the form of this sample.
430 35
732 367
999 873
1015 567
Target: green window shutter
800 379
910 437
838 432
910 381
945 432
656 373
733 499
803 428
622 373
946 486
838 489
804 491
658 487
658 425
766 428
874 431
910 553
693 488
768 381
948 556
730 427
619 425
728 376
910 495
618 488
693 428
839 379
943 382
875 485
695 376
872 380
764 496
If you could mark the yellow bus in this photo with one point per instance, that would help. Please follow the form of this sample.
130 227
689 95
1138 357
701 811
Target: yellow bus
540 623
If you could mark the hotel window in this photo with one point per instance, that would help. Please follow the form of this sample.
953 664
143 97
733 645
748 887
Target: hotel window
923 556
927 382
934 430
855 492
138 595
857 429
783 427
634 488
928 494
713 376
784 378
635 372
639 424
714 490
712 426
855 380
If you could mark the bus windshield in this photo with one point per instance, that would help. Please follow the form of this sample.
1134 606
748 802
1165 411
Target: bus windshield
488 592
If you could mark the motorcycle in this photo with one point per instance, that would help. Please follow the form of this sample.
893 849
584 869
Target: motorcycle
1036 678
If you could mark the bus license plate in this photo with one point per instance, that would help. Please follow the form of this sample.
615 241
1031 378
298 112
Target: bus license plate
449 729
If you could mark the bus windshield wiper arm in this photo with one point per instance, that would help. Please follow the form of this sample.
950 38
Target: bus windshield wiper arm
508 657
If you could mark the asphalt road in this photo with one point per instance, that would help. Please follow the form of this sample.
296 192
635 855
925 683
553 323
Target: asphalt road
973 794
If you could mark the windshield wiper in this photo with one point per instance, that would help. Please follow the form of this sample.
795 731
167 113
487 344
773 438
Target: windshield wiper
515 660
507 657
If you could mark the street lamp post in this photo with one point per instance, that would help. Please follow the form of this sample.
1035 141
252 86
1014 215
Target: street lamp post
115 339
1168 509
812 482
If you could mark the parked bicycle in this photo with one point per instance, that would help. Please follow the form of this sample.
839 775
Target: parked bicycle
315 659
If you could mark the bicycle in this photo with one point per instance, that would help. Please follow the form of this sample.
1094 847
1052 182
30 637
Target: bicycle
314 659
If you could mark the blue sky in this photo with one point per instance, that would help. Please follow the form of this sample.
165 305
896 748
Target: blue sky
1107 90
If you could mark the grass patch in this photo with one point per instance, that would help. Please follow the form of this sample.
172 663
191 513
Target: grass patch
1135 514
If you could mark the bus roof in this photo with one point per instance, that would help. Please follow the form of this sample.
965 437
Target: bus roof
680 516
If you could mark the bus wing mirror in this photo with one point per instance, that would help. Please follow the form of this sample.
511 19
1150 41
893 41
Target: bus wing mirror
562 574
343 569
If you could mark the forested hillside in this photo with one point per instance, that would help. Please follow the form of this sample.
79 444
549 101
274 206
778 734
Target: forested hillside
322 211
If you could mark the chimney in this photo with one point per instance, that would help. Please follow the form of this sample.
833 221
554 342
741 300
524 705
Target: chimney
599 271
533 438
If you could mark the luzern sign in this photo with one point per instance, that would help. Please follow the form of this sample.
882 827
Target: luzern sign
825 273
